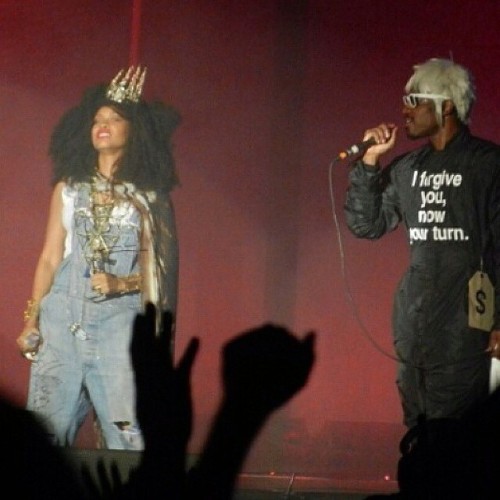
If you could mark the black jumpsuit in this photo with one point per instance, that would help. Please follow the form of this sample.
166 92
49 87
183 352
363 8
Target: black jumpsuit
449 203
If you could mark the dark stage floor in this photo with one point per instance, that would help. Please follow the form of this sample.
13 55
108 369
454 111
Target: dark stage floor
263 486
347 460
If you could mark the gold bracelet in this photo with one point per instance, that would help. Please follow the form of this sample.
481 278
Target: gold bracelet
32 310
133 283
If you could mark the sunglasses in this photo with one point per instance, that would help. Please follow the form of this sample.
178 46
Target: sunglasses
413 100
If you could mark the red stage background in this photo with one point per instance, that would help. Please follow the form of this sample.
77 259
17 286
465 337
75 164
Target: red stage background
269 91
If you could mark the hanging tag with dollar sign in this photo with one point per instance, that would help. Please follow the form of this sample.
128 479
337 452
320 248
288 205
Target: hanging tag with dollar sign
481 302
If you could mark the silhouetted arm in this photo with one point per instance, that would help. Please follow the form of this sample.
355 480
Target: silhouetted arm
164 407
262 370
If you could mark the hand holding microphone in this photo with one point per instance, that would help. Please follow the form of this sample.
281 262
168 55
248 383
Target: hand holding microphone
358 148
383 137
29 343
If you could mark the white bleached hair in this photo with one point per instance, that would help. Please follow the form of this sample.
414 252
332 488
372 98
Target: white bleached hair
442 76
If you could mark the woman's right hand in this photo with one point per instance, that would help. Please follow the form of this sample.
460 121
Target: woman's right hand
29 342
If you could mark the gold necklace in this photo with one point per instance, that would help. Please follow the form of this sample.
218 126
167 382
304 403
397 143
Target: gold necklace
102 202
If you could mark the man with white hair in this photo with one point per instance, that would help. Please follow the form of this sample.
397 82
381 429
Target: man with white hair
446 321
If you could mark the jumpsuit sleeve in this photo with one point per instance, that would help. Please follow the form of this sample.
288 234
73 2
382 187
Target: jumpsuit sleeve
371 207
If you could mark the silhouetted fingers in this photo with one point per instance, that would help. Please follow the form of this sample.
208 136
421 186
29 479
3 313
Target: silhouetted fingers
90 484
164 339
185 364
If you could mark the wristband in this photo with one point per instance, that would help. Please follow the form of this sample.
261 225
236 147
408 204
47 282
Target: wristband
32 310
132 283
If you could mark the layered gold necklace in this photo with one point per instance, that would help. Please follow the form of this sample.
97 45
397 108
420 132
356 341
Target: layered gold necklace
102 202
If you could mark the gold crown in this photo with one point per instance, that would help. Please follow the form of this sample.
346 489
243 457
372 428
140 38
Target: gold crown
127 86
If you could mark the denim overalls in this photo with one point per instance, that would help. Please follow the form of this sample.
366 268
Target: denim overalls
84 360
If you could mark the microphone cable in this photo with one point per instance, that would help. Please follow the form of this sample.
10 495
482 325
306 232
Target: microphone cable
347 288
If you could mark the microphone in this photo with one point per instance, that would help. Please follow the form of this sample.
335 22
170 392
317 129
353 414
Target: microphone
358 148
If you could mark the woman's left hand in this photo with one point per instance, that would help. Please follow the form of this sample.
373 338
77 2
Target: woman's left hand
105 284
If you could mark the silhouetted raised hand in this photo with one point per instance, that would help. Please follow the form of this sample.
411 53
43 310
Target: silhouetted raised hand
262 370
164 407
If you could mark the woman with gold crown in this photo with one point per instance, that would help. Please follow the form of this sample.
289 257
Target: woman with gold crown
110 248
